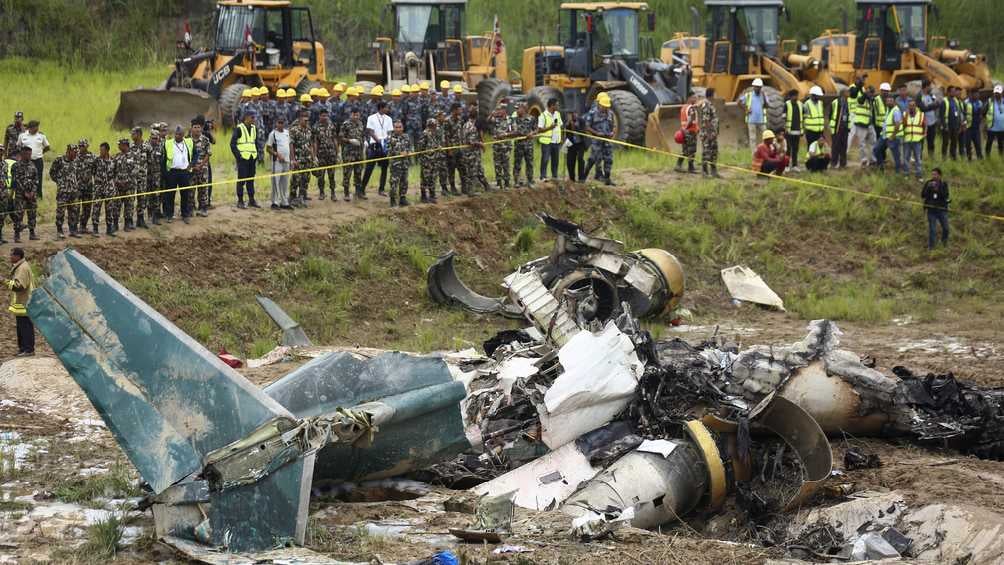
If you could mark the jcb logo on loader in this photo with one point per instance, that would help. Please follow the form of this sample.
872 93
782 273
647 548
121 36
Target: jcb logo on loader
221 74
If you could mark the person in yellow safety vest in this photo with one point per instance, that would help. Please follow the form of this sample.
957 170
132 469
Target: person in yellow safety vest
179 157
794 124
863 121
814 114
892 134
840 127
20 284
550 126
244 146
914 133
880 108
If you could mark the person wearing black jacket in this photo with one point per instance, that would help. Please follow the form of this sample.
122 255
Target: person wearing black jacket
575 161
936 199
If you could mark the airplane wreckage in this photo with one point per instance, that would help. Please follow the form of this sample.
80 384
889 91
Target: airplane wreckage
582 412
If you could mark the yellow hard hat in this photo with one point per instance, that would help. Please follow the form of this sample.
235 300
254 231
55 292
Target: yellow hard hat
314 91
340 87
247 93
396 92
324 93
262 90
423 85
603 100
377 91
768 134
458 89
351 91
306 98
444 84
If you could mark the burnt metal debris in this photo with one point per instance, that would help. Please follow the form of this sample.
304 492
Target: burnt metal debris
584 414
588 276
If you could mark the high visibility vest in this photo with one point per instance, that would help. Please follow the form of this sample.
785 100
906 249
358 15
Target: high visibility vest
693 127
968 107
862 113
914 127
545 137
814 116
10 168
247 142
879 111
835 111
789 110
169 150
749 102
890 124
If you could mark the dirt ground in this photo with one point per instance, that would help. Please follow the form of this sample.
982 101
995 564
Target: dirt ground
50 435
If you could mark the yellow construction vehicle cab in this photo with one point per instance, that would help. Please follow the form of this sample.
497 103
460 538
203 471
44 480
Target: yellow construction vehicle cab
891 45
256 43
600 49
430 44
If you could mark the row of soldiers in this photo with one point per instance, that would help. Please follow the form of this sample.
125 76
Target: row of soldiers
89 184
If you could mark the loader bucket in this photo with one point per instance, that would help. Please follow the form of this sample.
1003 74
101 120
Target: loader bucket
176 106
661 128
731 125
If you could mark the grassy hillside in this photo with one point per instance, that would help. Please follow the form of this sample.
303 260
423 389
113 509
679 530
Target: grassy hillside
132 33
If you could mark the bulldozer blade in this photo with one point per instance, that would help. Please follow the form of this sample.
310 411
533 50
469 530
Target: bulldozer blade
664 121
176 106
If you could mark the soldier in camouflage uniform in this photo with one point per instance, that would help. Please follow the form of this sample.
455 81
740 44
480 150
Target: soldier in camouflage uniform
599 122
501 129
86 161
352 135
413 115
441 159
688 123
429 160
326 144
474 168
398 145
154 150
202 147
24 177
5 185
707 120
140 157
524 126
453 133
12 133
125 173
301 141
104 188
64 173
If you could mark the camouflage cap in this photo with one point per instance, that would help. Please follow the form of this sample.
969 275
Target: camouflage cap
18 115
124 141
71 147
430 122
136 129
83 143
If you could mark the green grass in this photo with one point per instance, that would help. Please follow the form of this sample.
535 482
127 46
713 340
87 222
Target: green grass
116 483
104 538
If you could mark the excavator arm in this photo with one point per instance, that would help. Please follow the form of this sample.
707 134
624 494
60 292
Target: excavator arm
941 74
784 79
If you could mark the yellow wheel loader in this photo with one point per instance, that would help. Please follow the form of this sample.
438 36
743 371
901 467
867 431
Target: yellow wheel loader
891 45
430 44
600 50
256 43
743 44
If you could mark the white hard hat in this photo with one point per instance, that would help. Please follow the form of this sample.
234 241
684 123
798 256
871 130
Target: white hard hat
816 91
757 82
884 87
999 89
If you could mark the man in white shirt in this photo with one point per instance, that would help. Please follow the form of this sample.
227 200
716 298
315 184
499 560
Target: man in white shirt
378 129
277 145
39 145
179 154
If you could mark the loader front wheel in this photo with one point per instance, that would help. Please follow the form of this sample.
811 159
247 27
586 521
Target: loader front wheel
775 107
629 117
230 99
536 99
491 91
305 86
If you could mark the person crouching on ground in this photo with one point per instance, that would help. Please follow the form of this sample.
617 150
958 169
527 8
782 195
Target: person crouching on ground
768 158
819 156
